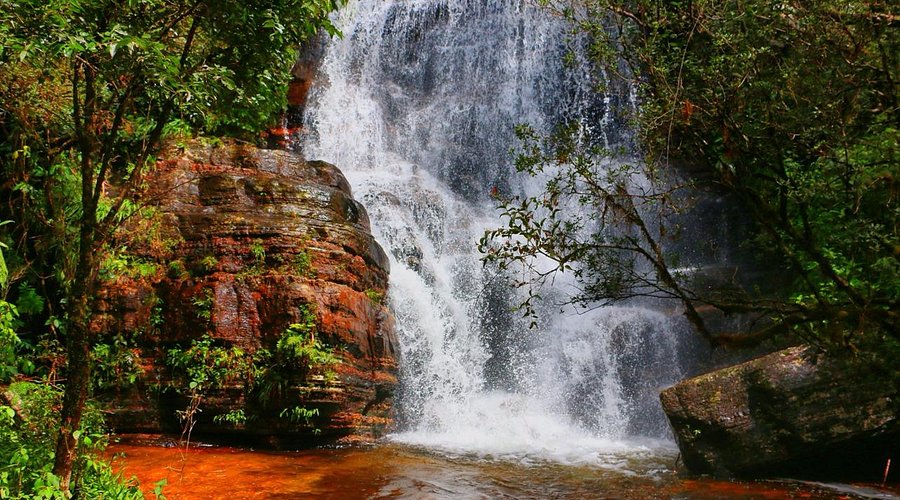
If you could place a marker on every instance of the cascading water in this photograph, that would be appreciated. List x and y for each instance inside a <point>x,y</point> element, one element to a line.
<point>417,105</point>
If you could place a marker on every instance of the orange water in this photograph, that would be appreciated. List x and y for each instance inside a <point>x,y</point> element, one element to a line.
<point>392,471</point>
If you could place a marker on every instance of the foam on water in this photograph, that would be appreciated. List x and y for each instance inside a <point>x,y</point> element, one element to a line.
<point>417,104</point>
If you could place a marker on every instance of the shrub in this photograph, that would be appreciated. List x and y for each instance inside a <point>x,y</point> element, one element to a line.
<point>27,441</point>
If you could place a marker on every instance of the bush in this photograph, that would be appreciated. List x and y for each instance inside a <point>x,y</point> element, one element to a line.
<point>27,440</point>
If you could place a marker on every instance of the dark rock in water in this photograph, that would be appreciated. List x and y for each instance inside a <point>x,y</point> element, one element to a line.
<point>245,242</point>
<point>795,412</point>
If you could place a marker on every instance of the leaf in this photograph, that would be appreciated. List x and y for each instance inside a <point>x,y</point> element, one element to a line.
<point>112,49</point>
<point>4,272</point>
<point>24,54</point>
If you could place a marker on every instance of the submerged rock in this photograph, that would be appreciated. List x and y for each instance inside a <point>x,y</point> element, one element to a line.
<point>243,243</point>
<point>795,412</point>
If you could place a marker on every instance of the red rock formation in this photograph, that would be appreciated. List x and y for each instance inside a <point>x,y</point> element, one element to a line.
<point>303,75</point>
<point>245,240</point>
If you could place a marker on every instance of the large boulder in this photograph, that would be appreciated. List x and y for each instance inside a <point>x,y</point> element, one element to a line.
<point>796,412</point>
<point>242,243</point>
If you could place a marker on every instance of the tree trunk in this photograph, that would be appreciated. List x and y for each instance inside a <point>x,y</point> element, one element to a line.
<point>78,373</point>
<point>78,347</point>
<point>77,388</point>
<point>78,342</point>
<point>81,290</point>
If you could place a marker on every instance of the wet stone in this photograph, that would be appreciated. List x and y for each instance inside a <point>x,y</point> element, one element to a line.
<point>253,239</point>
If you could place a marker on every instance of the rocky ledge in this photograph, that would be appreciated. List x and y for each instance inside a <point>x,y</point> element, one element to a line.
<point>796,412</point>
<point>239,244</point>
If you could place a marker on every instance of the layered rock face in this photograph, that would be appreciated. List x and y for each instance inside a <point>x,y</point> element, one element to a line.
<point>244,243</point>
<point>795,412</point>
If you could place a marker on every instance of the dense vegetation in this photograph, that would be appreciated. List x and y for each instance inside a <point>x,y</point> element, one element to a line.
<point>89,90</point>
<point>787,109</point>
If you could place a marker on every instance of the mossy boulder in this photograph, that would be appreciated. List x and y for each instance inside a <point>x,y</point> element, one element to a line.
<point>796,412</point>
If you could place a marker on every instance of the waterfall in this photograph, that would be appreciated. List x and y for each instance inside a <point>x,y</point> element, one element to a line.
<point>417,104</point>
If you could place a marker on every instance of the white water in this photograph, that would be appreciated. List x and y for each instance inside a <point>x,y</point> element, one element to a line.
<point>416,105</point>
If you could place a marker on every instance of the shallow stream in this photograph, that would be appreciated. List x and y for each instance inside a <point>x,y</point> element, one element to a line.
<point>399,471</point>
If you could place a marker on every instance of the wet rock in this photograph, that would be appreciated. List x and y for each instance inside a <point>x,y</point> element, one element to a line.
<point>796,412</point>
<point>303,74</point>
<point>243,243</point>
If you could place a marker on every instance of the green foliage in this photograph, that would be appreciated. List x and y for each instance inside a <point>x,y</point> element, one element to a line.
<point>150,230</point>
<point>297,346</point>
<point>203,304</point>
<point>789,109</point>
<point>117,364</point>
<point>12,349</point>
<point>233,417</point>
<point>258,251</point>
<point>209,263</point>
<point>47,354</point>
<point>302,263</point>
<point>200,368</point>
<point>375,296</point>
<point>120,264</point>
<point>9,342</point>
<point>29,302</point>
<point>27,440</point>
<point>206,140</point>
<point>301,415</point>
<point>4,271</point>
<point>264,374</point>
<point>157,311</point>
<point>177,270</point>
<point>224,65</point>
<point>158,488</point>
<point>257,266</point>
<point>298,354</point>
<point>205,366</point>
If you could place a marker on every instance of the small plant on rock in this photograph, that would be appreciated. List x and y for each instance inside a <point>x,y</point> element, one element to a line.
<point>233,417</point>
<point>375,296</point>
<point>258,251</point>
<point>209,263</point>
<point>203,304</point>
<point>301,415</point>
<point>200,368</point>
<point>302,264</point>
<point>297,355</point>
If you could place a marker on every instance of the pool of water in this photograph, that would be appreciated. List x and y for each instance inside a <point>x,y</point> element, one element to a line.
<point>400,471</point>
